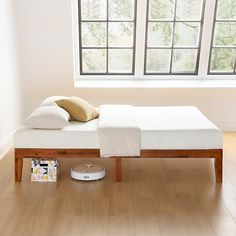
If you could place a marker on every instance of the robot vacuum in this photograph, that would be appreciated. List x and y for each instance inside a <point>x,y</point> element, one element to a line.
<point>88,172</point>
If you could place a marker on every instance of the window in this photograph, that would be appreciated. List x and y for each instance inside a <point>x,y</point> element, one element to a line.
<point>107,36</point>
<point>155,39</point>
<point>173,36</point>
<point>223,51</point>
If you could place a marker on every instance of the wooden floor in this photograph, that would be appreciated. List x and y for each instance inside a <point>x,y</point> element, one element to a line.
<point>157,197</point>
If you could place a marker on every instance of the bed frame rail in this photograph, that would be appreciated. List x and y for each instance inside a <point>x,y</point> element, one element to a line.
<point>21,153</point>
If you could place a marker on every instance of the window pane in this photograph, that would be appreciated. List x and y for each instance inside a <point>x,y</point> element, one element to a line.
<point>121,34</point>
<point>121,9</point>
<point>88,12</point>
<point>186,34</point>
<point>226,9</point>
<point>120,60</point>
<point>107,36</point>
<point>161,9</point>
<point>158,60</point>
<point>93,34</point>
<point>184,60</point>
<point>94,60</point>
<point>225,34</point>
<point>189,9</point>
<point>159,34</point>
<point>223,60</point>
<point>173,35</point>
<point>222,55</point>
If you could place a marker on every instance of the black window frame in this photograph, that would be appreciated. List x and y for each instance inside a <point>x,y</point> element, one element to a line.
<point>107,21</point>
<point>172,47</point>
<point>215,20</point>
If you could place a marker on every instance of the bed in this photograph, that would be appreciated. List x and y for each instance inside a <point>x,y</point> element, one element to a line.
<point>166,132</point>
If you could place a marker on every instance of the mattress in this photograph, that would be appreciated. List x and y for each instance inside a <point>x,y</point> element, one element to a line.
<point>161,128</point>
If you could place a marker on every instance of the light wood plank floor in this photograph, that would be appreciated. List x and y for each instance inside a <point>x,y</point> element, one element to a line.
<point>157,197</point>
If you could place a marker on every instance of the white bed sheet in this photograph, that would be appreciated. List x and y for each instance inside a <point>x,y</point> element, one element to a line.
<point>161,128</point>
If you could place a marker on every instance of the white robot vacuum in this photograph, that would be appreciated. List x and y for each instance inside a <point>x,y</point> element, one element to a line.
<point>88,172</point>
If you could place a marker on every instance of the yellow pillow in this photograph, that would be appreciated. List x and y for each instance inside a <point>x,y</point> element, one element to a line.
<point>78,108</point>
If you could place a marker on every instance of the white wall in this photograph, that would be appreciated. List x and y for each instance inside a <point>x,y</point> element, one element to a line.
<point>10,101</point>
<point>45,28</point>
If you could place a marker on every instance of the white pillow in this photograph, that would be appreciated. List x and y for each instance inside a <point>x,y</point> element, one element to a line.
<point>50,101</point>
<point>48,117</point>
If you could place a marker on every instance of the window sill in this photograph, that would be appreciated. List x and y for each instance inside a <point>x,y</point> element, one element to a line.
<point>157,83</point>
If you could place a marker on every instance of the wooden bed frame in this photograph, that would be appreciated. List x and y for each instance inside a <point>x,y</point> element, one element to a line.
<point>21,153</point>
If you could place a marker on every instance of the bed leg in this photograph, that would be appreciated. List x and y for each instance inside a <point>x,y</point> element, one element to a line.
<point>118,169</point>
<point>219,168</point>
<point>18,169</point>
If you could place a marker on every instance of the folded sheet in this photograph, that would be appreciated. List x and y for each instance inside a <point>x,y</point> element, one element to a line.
<point>118,131</point>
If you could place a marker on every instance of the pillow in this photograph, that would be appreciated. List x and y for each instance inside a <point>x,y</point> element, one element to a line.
<point>79,109</point>
<point>48,117</point>
<point>50,101</point>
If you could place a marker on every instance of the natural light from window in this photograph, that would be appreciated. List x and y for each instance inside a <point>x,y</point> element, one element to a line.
<point>151,39</point>
<point>223,55</point>
<point>173,36</point>
<point>107,36</point>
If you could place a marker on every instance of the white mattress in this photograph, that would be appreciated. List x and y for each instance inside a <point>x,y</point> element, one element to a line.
<point>161,128</point>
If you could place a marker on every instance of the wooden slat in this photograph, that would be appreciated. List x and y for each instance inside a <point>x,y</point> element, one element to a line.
<point>86,153</point>
<point>56,153</point>
<point>193,153</point>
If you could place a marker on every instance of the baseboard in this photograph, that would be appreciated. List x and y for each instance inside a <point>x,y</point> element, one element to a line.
<point>226,126</point>
<point>5,147</point>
